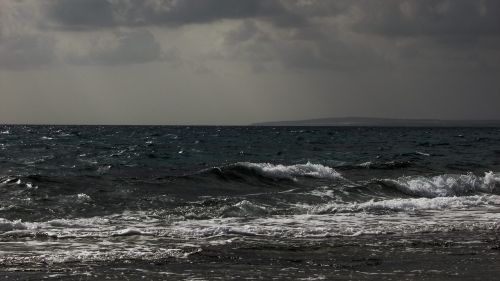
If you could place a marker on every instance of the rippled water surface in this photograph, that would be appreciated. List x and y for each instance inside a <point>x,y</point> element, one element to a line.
<point>213,202</point>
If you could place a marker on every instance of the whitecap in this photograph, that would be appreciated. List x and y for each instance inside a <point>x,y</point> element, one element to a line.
<point>244,209</point>
<point>445,185</point>
<point>366,164</point>
<point>130,232</point>
<point>422,153</point>
<point>291,172</point>
<point>82,197</point>
<point>8,225</point>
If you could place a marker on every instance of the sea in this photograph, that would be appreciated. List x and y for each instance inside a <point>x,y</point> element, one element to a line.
<point>249,203</point>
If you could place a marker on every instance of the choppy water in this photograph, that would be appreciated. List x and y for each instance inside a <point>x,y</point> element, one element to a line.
<point>87,195</point>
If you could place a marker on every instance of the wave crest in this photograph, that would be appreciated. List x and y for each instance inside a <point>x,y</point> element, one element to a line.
<point>445,185</point>
<point>292,171</point>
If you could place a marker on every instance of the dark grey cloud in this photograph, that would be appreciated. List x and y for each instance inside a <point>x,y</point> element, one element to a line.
<point>444,30</point>
<point>81,14</point>
<point>306,48</point>
<point>443,18</point>
<point>434,18</point>
<point>298,34</point>
<point>449,35</point>
<point>91,14</point>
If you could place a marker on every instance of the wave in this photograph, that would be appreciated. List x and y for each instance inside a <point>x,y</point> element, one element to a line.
<point>8,225</point>
<point>248,172</point>
<point>247,218</point>
<point>445,185</point>
<point>181,239</point>
<point>236,170</point>
<point>290,172</point>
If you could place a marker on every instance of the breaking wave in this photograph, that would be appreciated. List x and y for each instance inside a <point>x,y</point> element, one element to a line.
<point>445,185</point>
<point>243,171</point>
<point>409,204</point>
<point>291,172</point>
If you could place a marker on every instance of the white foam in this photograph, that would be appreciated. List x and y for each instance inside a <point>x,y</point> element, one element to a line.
<point>445,185</point>
<point>491,180</point>
<point>292,171</point>
<point>340,224</point>
<point>8,225</point>
<point>93,222</point>
<point>78,252</point>
<point>107,236</point>
<point>245,209</point>
<point>409,204</point>
<point>82,197</point>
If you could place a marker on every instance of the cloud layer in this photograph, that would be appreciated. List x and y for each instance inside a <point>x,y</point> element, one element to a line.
<point>391,57</point>
<point>299,33</point>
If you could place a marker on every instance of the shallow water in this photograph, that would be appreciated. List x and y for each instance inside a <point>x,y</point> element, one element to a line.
<point>206,202</point>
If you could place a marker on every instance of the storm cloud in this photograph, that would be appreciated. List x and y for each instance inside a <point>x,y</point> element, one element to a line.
<point>279,58</point>
<point>87,14</point>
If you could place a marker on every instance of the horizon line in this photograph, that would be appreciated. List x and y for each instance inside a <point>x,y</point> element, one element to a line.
<point>263,123</point>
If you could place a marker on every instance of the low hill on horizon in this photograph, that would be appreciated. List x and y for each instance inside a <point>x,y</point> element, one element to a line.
<point>383,122</point>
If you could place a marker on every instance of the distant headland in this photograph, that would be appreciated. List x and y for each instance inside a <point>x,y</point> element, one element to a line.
<point>383,122</point>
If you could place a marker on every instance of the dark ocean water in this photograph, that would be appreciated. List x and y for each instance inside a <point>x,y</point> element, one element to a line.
<point>155,202</point>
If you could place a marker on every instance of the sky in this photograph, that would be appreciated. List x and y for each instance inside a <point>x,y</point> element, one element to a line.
<point>234,62</point>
